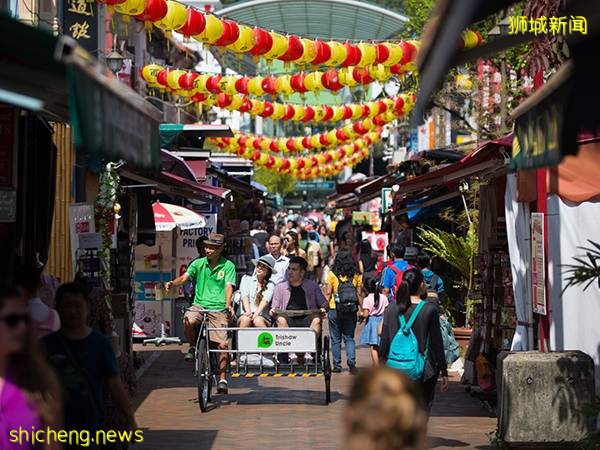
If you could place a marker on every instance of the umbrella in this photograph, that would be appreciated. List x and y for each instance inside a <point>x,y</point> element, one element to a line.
<point>167,217</point>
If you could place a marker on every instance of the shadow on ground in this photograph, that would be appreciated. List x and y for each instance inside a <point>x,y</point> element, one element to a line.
<point>163,439</point>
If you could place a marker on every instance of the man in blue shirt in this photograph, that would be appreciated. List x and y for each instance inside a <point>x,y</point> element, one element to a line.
<point>393,274</point>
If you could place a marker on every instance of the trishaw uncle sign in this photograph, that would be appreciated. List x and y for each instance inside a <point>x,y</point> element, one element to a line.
<point>286,340</point>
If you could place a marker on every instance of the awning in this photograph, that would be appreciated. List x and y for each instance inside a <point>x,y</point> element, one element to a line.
<point>57,78</point>
<point>213,191</point>
<point>190,136</point>
<point>170,162</point>
<point>440,185</point>
<point>233,183</point>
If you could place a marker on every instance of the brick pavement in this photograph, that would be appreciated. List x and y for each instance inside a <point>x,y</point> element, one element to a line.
<point>276,413</point>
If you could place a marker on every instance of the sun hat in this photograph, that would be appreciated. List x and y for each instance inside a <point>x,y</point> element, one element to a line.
<point>215,239</point>
<point>266,260</point>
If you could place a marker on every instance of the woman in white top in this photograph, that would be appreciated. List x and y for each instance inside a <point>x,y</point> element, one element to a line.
<point>256,292</point>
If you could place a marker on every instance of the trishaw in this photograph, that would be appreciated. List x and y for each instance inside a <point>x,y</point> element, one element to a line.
<point>261,352</point>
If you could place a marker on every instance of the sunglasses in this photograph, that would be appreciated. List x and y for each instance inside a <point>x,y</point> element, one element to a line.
<point>12,320</point>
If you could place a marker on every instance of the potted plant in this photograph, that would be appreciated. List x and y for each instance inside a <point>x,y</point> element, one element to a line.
<point>459,252</point>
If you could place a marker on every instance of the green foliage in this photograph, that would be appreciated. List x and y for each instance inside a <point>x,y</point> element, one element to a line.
<point>586,271</point>
<point>458,251</point>
<point>418,13</point>
<point>275,182</point>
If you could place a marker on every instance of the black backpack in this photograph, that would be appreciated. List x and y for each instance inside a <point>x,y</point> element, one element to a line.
<point>346,298</point>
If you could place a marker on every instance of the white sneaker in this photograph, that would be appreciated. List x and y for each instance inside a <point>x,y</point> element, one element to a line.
<point>308,358</point>
<point>293,358</point>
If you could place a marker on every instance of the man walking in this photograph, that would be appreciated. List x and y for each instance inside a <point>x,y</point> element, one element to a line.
<point>215,280</point>
<point>281,261</point>
<point>393,274</point>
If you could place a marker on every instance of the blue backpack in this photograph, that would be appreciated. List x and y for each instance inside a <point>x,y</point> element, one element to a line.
<point>404,350</point>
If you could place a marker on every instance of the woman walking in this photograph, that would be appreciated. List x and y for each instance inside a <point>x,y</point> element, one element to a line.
<point>292,247</point>
<point>343,289</point>
<point>426,328</point>
<point>29,391</point>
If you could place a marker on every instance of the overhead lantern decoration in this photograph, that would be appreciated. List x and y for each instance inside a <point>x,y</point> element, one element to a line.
<point>394,56</point>
<point>130,8</point>
<point>279,47</point>
<point>111,3</point>
<point>338,54</point>
<point>213,30</point>
<point>245,41</point>
<point>313,81</point>
<point>173,79</point>
<point>294,49</point>
<point>353,55</point>
<point>263,41</point>
<point>255,86</point>
<point>186,81</point>
<point>175,18</point>
<point>283,85</point>
<point>309,52</point>
<point>323,52</point>
<point>149,74</point>
<point>230,34</point>
<point>194,24</point>
<point>154,11</point>
<point>368,54</point>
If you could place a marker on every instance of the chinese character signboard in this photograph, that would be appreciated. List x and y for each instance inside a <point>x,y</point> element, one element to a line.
<point>538,264</point>
<point>80,21</point>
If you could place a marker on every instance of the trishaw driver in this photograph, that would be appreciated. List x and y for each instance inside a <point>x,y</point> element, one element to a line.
<point>298,294</point>
<point>215,279</point>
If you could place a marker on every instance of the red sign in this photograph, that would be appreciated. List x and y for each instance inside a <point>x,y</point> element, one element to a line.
<point>8,121</point>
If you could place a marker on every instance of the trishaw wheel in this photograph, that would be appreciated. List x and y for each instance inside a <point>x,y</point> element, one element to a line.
<point>203,375</point>
<point>327,369</point>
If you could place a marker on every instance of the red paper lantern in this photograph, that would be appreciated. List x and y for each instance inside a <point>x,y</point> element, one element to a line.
<point>194,24</point>
<point>306,142</point>
<point>224,100</point>
<point>154,11</point>
<point>199,97</point>
<point>399,104</point>
<point>241,85</point>
<point>354,55</point>
<point>273,146</point>
<point>328,157</point>
<point>347,113</point>
<point>359,128</point>
<point>328,113</point>
<point>307,172</point>
<point>289,112</point>
<point>330,80</point>
<point>382,52</point>
<point>294,51</point>
<point>285,164</point>
<point>268,85</point>
<point>255,156</point>
<point>297,82</point>
<point>366,111</point>
<point>256,143</point>
<point>242,141</point>
<point>341,135</point>
<point>246,105</point>
<point>409,52</point>
<point>240,151</point>
<point>341,153</point>
<point>314,161</point>
<point>161,77</point>
<point>212,84</point>
<point>323,52</point>
<point>382,106</point>
<point>186,81</point>
<point>378,121</point>
<point>289,144</point>
<point>301,163</point>
<point>231,32</point>
<point>263,41</point>
<point>268,110</point>
<point>396,69</point>
<point>309,114</point>
<point>361,75</point>
<point>323,139</point>
<point>270,161</point>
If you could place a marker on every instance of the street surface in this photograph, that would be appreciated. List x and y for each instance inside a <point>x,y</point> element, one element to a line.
<point>276,413</point>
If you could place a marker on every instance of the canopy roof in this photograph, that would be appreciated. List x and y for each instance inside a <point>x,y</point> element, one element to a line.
<point>323,19</point>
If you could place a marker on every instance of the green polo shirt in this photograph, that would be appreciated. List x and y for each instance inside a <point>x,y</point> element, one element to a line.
<point>211,282</point>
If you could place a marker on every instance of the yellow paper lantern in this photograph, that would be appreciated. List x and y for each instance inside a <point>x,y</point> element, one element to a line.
<point>298,113</point>
<point>200,83</point>
<point>176,17</point>
<point>236,102</point>
<point>265,143</point>
<point>346,77</point>
<point>278,162</point>
<point>149,73</point>
<point>131,8</point>
<point>307,163</point>
<point>313,82</point>
<point>373,109</point>
<point>368,124</point>
<point>264,158</point>
<point>280,46</point>
<point>338,54</point>
<point>283,86</point>
<point>338,113</point>
<point>278,111</point>
<point>332,138</point>
<point>213,30</point>
<point>349,131</point>
<point>257,108</point>
<point>314,141</point>
<point>281,145</point>
<point>255,86</point>
<point>293,165</point>
<point>368,54</point>
<point>248,143</point>
<point>379,72</point>
<point>173,79</point>
<point>244,42</point>
<point>395,54</point>
<point>319,113</point>
<point>227,85</point>
<point>308,54</point>
<point>356,111</point>
<point>321,158</point>
<point>298,145</point>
